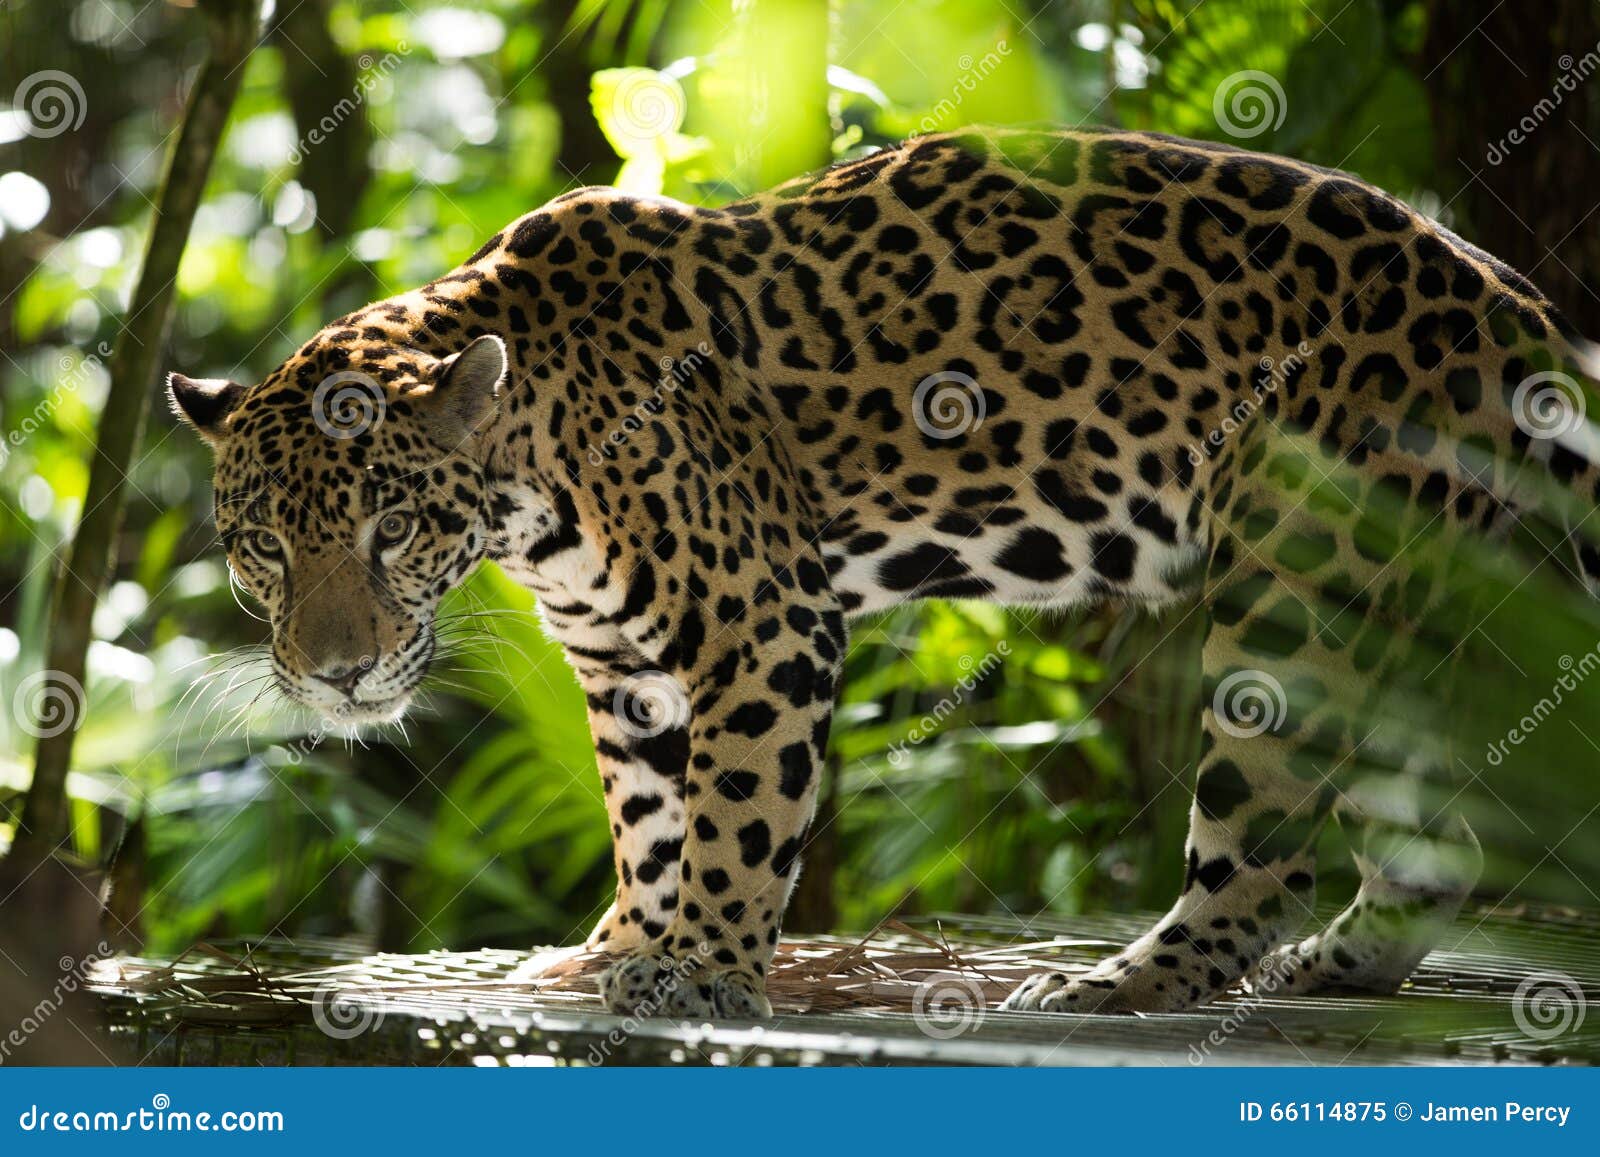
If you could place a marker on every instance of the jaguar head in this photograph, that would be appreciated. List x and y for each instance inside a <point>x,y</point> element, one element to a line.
<point>350,496</point>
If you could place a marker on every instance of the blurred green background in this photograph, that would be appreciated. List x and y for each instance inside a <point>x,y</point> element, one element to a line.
<point>375,145</point>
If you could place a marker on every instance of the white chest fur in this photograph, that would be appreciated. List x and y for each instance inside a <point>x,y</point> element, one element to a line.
<point>563,566</point>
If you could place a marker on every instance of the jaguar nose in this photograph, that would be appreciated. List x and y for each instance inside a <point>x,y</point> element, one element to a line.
<point>343,677</point>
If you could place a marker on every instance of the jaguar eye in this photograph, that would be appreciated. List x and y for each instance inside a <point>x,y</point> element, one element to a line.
<point>263,543</point>
<point>394,527</point>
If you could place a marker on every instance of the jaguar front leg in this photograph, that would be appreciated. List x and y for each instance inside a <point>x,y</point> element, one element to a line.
<point>762,699</point>
<point>638,719</point>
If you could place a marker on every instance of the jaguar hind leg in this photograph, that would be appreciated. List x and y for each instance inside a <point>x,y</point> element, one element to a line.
<point>1413,883</point>
<point>1417,855</point>
<point>1319,581</point>
<point>1258,808</point>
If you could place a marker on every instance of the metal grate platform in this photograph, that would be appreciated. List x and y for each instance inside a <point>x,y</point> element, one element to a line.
<point>1508,985</point>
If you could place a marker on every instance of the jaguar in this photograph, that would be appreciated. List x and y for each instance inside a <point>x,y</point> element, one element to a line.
<point>1054,369</point>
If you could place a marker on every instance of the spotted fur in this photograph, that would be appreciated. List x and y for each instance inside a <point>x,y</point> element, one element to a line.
<point>697,435</point>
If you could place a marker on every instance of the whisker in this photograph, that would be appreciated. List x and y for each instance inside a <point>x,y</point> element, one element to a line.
<point>237,587</point>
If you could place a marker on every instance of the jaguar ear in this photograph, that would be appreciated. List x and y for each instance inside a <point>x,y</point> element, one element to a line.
<point>204,403</point>
<point>465,392</point>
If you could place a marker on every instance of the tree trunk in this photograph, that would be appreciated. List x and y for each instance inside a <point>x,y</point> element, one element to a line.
<point>1154,707</point>
<point>141,342</point>
<point>320,83</point>
<point>1523,71</point>
<point>585,156</point>
<point>317,77</point>
<point>812,907</point>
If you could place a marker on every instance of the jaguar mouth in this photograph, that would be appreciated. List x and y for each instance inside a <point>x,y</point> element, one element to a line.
<point>355,712</point>
<point>397,679</point>
<point>343,713</point>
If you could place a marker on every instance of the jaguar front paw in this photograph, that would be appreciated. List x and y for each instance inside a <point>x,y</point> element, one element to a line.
<point>616,933</point>
<point>1129,988</point>
<point>1058,992</point>
<point>660,984</point>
